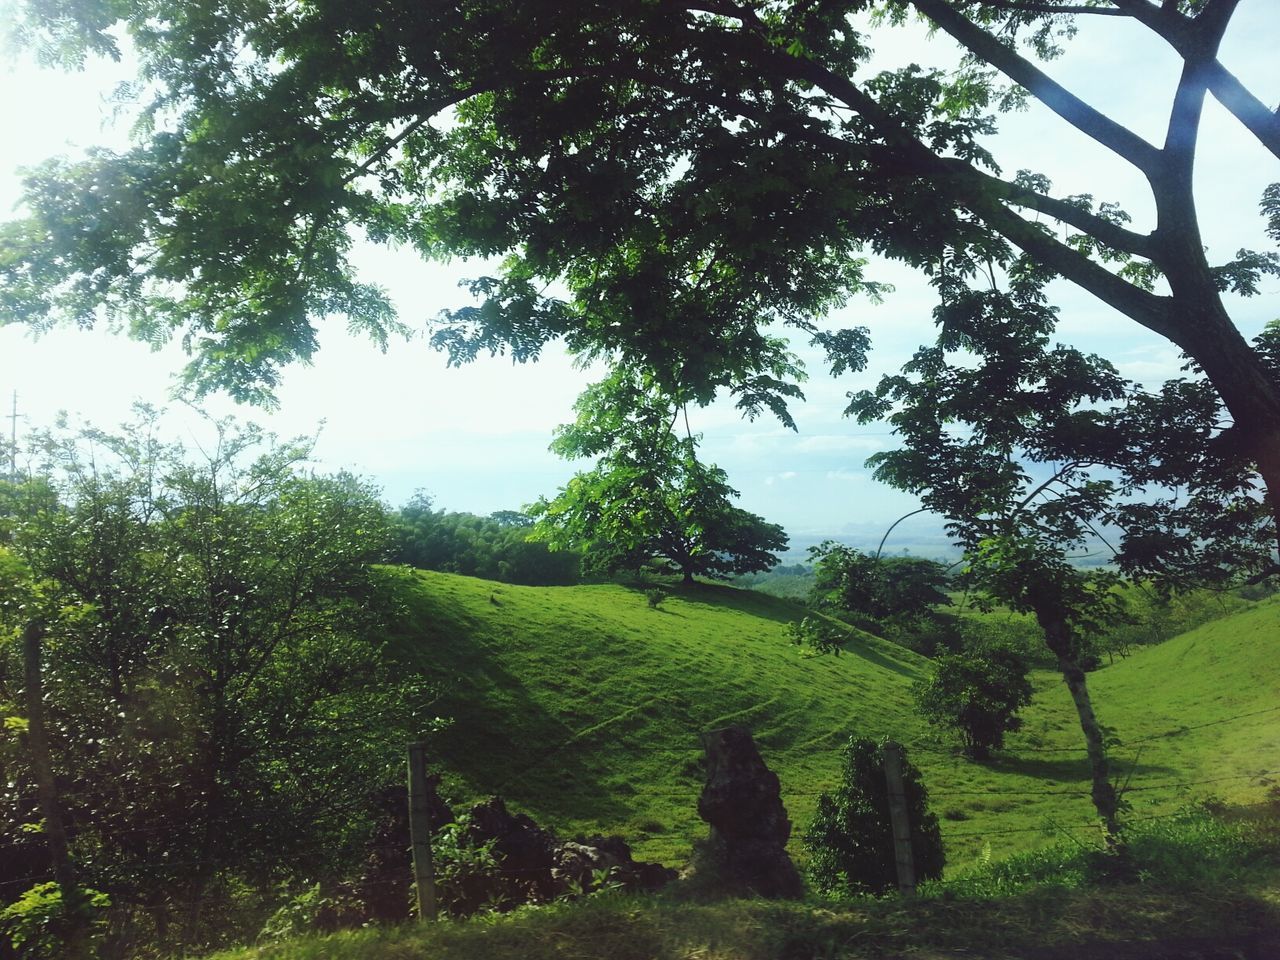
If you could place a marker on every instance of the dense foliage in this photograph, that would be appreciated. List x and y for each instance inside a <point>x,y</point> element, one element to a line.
<point>850,840</point>
<point>219,701</point>
<point>496,547</point>
<point>895,597</point>
<point>848,579</point>
<point>977,693</point>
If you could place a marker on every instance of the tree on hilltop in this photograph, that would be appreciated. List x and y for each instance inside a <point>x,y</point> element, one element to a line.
<point>648,498</point>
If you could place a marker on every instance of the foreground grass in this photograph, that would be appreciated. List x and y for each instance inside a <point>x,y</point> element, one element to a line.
<point>1096,923</point>
<point>1115,922</point>
<point>582,707</point>
<point>1197,885</point>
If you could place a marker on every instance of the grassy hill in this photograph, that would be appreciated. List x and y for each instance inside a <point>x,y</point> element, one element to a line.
<point>582,707</point>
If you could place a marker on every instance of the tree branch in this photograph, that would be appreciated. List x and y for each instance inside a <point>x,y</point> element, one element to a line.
<point>1119,139</point>
<point>1244,106</point>
<point>1164,20</point>
<point>1152,311</point>
<point>1014,6</point>
<point>425,113</point>
<point>1185,35</point>
<point>1111,234</point>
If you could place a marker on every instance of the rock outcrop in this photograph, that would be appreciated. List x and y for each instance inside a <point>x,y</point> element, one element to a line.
<point>742,801</point>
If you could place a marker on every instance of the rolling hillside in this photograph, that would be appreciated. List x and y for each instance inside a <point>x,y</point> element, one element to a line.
<point>582,707</point>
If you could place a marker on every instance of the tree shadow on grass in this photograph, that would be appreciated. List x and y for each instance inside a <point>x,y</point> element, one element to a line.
<point>1065,769</point>
<point>779,610</point>
<point>725,597</point>
<point>500,739</point>
<point>865,651</point>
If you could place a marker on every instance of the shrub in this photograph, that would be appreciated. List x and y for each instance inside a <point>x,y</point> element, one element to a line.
<point>38,924</point>
<point>850,840</point>
<point>823,635</point>
<point>655,596</point>
<point>977,694</point>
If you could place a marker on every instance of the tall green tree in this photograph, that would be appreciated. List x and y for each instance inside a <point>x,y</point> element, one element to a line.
<point>649,498</point>
<point>685,171</point>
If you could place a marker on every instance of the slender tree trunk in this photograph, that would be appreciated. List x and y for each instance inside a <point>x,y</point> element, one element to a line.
<point>50,807</point>
<point>1057,635</point>
<point>207,863</point>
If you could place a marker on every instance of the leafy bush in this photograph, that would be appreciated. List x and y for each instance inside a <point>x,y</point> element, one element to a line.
<point>38,924</point>
<point>897,598</point>
<point>655,596</point>
<point>466,871</point>
<point>819,633</point>
<point>850,840</point>
<point>848,579</point>
<point>297,916</point>
<point>977,693</point>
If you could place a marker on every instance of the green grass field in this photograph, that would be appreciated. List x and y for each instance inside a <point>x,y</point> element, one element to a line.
<point>582,707</point>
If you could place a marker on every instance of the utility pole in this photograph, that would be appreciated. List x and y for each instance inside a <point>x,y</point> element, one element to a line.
<point>13,440</point>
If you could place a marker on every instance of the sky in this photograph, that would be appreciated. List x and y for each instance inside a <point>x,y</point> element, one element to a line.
<point>475,438</point>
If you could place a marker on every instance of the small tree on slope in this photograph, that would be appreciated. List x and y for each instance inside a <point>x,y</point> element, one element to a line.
<point>978,694</point>
<point>1030,450</point>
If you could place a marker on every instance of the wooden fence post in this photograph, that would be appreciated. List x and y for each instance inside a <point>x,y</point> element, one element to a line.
<point>424,875</point>
<point>899,819</point>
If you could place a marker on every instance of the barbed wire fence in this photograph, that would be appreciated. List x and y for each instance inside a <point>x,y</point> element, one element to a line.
<point>1269,778</point>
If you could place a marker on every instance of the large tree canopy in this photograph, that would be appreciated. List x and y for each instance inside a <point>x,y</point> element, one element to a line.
<point>685,171</point>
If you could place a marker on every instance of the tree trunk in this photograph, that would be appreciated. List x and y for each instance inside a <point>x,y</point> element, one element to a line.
<point>1057,635</point>
<point>50,808</point>
<point>1200,323</point>
<point>1250,394</point>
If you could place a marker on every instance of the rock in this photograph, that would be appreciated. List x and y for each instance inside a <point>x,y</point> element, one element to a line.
<point>534,866</point>
<point>586,863</point>
<point>742,802</point>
